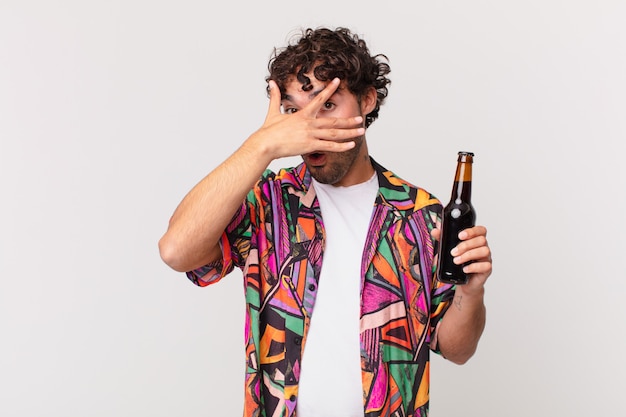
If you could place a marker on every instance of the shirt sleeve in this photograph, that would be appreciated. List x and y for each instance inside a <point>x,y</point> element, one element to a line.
<point>441,298</point>
<point>235,241</point>
<point>441,294</point>
<point>235,245</point>
<point>214,271</point>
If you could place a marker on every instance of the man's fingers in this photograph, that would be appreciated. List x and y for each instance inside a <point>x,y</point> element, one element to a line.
<point>480,254</point>
<point>330,146</point>
<point>473,246</point>
<point>473,232</point>
<point>311,109</point>
<point>339,134</point>
<point>274,106</point>
<point>337,130</point>
<point>329,123</point>
<point>316,104</point>
<point>478,268</point>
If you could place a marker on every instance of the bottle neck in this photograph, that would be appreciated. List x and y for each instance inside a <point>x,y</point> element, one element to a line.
<point>462,189</point>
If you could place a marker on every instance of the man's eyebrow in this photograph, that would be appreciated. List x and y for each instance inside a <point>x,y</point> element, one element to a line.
<point>287,97</point>
<point>315,93</point>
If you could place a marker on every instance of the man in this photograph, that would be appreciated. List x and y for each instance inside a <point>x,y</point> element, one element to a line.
<point>338,254</point>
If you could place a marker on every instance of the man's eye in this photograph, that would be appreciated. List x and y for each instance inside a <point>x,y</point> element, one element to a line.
<point>328,105</point>
<point>290,110</point>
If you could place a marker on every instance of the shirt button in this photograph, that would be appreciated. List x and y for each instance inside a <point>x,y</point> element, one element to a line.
<point>297,341</point>
<point>292,398</point>
<point>311,287</point>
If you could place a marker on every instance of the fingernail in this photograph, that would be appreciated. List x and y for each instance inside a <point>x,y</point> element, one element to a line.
<point>463,234</point>
<point>454,251</point>
<point>358,119</point>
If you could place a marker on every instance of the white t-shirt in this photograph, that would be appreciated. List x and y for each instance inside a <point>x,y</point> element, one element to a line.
<point>330,377</point>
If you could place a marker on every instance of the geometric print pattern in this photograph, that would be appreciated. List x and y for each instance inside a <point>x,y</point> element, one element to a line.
<point>277,239</point>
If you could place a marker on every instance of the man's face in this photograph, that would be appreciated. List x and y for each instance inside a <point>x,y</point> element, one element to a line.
<point>326,167</point>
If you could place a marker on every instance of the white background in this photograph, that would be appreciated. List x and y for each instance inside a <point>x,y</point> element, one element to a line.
<point>110,111</point>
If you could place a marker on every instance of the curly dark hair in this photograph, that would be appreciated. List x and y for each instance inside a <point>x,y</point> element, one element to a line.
<point>332,53</point>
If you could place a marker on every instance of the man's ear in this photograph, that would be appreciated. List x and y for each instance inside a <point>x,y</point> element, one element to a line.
<point>368,101</point>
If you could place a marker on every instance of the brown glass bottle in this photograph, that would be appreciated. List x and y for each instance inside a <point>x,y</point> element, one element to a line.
<point>458,215</point>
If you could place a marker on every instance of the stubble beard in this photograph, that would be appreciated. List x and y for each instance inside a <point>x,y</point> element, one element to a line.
<point>338,164</point>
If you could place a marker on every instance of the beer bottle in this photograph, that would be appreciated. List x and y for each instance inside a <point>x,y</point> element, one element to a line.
<point>457,216</point>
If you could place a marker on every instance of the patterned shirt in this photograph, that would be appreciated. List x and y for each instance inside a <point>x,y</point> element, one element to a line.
<point>277,239</point>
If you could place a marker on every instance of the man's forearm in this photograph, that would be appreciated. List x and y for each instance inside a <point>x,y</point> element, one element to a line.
<point>462,326</point>
<point>200,219</point>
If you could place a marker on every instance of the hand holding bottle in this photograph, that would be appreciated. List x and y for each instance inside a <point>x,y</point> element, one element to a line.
<point>472,254</point>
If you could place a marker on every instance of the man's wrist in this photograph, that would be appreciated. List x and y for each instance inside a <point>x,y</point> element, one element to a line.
<point>470,292</point>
